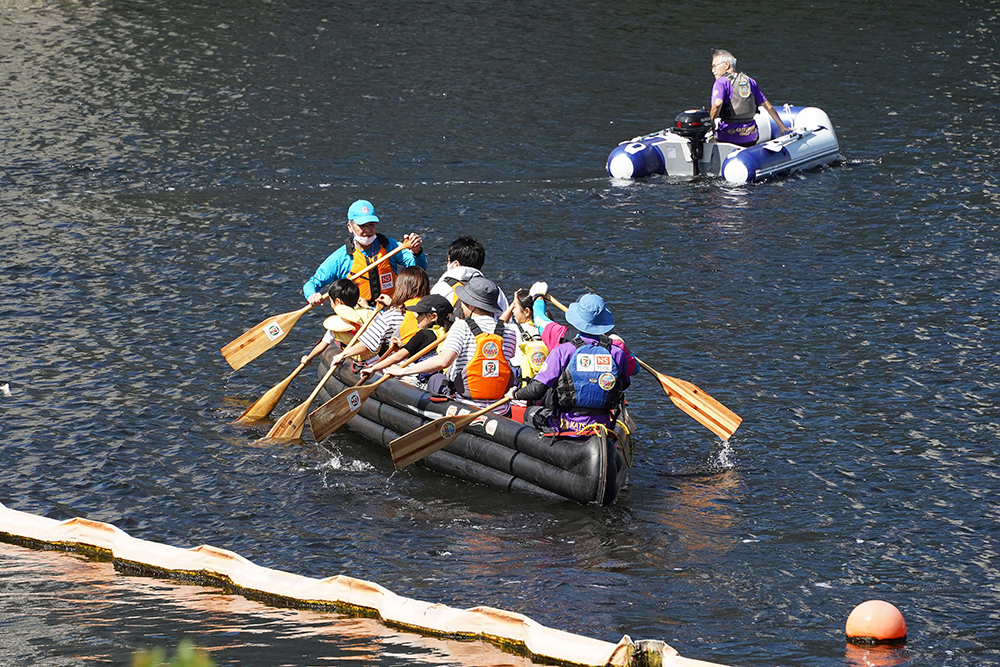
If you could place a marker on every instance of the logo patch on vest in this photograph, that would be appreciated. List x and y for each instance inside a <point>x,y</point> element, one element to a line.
<point>602,363</point>
<point>606,381</point>
<point>491,350</point>
<point>537,359</point>
<point>385,280</point>
<point>491,368</point>
<point>598,363</point>
<point>273,330</point>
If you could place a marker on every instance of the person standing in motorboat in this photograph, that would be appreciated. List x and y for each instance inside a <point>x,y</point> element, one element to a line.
<point>735,98</point>
<point>364,247</point>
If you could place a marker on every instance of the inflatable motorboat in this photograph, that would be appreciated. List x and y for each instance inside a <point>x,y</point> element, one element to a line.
<point>689,149</point>
<point>498,452</point>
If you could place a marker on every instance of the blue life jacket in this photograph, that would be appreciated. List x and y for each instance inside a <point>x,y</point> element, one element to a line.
<point>591,380</point>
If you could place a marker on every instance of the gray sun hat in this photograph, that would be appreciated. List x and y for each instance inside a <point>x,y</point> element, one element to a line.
<point>479,293</point>
<point>589,315</point>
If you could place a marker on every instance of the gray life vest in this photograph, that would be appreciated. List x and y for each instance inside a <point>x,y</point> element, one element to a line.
<point>741,106</point>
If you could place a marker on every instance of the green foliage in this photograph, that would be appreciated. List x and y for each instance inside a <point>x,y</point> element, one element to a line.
<point>186,656</point>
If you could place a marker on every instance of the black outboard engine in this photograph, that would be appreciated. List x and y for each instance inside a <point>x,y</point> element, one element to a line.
<point>693,124</point>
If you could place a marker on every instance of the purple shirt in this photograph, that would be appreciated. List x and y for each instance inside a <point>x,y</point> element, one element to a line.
<point>557,362</point>
<point>743,133</point>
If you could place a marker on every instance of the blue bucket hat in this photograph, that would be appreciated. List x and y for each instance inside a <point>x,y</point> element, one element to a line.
<point>361,212</point>
<point>589,315</point>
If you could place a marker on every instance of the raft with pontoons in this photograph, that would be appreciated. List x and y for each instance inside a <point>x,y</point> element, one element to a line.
<point>687,148</point>
<point>499,452</point>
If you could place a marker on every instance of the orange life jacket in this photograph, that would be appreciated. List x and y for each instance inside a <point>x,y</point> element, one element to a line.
<point>453,283</point>
<point>487,376</point>
<point>409,325</point>
<point>381,279</point>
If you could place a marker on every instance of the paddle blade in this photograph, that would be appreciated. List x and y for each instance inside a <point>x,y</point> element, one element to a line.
<point>261,338</point>
<point>262,408</point>
<point>702,407</point>
<point>289,427</point>
<point>723,413</point>
<point>336,412</point>
<point>427,439</point>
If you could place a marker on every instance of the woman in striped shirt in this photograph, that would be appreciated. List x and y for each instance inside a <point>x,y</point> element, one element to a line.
<point>412,284</point>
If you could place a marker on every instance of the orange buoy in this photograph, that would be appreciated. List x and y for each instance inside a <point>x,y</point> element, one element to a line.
<point>876,622</point>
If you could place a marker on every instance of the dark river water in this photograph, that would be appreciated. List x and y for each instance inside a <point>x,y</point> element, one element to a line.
<point>172,172</point>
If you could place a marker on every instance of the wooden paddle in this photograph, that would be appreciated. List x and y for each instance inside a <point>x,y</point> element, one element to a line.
<point>273,330</point>
<point>432,436</point>
<point>336,412</point>
<point>262,408</point>
<point>707,411</point>
<point>291,423</point>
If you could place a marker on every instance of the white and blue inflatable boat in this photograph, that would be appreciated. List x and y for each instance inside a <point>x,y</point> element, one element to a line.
<point>689,149</point>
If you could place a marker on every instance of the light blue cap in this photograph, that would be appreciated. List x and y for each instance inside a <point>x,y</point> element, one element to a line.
<point>361,212</point>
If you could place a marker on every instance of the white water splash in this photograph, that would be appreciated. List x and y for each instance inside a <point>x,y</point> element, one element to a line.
<point>724,459</point>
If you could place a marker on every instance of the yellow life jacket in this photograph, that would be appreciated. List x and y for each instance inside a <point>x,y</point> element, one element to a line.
<point>409,325</point>
<point>344,337</point>
<point>381,279</point>
<point>487,376</point>
<point>533,352</point>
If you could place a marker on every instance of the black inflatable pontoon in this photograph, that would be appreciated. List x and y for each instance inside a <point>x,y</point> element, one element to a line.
<point>498,452</point>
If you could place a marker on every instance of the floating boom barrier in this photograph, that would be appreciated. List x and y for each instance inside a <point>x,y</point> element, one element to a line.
<point>211,566</point>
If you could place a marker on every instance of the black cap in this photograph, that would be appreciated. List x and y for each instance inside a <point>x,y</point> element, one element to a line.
<point>432,303</point>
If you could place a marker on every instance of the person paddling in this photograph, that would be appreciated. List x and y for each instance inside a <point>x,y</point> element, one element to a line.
<point>477,351</point>
<point>531,351</point>
<point>465,260</point>
<point>365,246</point>
<point>433,315</point>
<point>346,320</point>
<point>584,379</point>
<point>413,286</point>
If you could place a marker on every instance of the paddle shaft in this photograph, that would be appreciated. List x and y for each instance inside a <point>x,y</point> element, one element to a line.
<point>707,411</point>
<point>336,412</point>
<point>291,423</point>
<point>261,338</point>
<point>262,408</point>
<point>434,435</point>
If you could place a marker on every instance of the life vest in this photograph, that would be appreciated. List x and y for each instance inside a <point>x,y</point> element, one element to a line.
<point>741,106</point>
<point>381,279</point>
<point>487,375</point>
<point>409,325</point>
<point>345,337</point>
<point>453,283</point>
<point>533,352</point>
<point>591,381</point>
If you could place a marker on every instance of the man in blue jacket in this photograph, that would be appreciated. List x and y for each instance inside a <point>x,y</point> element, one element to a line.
<point>364,247</point>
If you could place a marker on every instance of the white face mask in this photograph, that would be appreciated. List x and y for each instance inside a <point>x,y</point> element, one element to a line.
<point>364,240</point>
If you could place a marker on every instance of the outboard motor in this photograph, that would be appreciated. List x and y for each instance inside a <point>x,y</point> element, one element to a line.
<point>693,124</point>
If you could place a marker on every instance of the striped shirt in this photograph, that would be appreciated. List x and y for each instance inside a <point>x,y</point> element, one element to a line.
<point>381,331</point>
